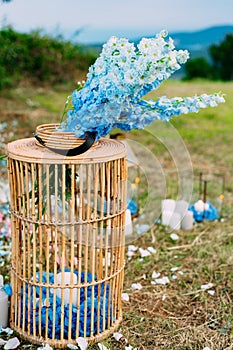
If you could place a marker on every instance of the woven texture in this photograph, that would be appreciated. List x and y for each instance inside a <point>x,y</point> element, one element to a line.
<point>68,221</point>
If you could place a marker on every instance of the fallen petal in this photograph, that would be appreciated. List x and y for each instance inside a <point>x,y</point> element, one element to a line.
<point>125,297</point>
<point>144,252</point>
<point>72,346</point>
<point>132,248</point>
<point>117,336</point>
<point>137,286</point>
<point>152,250</point>
<point>173,269</point>
<point>206,286</point>
<point>155,274</point>
<point>211,292</point>
<point>174,236</point>
<point>7,330</point>
<point>82,343</point>
<point>12,343</point>
<point>2,341</point>
<point>162,280</point>
<point>102,347</point>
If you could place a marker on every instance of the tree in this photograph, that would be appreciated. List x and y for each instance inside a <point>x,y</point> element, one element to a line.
<point>198,68</point>
<point>222,57</point>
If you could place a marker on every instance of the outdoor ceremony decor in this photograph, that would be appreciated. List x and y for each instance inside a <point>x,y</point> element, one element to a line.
<point>68,195</point>
<point>122,75</point>
<point>68,229</point>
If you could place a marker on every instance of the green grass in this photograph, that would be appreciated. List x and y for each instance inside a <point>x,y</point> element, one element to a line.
<point>179,315</point>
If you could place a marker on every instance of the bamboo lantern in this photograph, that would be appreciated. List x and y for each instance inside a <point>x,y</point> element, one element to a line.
<point>68,225</point>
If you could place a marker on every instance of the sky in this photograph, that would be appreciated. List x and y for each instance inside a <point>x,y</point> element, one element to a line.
<point>97,20</point>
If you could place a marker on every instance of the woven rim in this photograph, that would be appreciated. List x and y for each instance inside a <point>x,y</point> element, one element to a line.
<point>58,139</point>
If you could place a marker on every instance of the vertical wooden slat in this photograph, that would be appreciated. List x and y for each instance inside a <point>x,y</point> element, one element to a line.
<point>55,246</point>
<point>47,237</point>
<point>80,199</point>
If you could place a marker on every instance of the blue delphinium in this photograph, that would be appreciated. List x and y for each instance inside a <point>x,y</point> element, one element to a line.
<point>112,94</point>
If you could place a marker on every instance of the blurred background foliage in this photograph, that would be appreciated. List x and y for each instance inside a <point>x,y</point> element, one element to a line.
<point>40,58</point>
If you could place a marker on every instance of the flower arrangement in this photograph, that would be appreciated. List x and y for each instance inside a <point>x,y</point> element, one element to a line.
<point>112,95</point>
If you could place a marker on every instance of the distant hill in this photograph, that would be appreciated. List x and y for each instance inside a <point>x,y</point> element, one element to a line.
<point>196,42</point>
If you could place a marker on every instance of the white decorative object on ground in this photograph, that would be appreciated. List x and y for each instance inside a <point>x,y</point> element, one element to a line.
<point>3,305</point>
<point>168,205</point>
<point>181,207</point>
<point>187,220</point>
<point>128,223</point>
<point>166,217</point>
<point>175,221</point>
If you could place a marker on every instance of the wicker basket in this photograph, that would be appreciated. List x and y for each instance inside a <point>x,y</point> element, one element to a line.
<point>68,225</point>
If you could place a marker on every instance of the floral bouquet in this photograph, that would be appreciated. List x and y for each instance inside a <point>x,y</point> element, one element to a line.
<point>112,95</point>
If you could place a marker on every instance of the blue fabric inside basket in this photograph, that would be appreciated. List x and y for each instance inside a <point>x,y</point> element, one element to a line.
<point>85,307</point>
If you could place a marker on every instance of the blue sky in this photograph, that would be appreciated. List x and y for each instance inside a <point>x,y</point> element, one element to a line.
<point>100,19</point>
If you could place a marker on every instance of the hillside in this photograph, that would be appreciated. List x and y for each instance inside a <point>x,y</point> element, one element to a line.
<point>196,42</point>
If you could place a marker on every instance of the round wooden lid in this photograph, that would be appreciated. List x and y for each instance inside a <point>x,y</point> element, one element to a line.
<point>29,151</point>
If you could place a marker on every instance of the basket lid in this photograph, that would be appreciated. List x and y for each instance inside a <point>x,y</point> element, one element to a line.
<point>27,150</point>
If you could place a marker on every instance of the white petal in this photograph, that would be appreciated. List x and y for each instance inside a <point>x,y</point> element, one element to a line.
<point>102,347</point>
<point>72,346</point>
<point>155,274</point>
<point>82,343</point>
<point>144,252</point>
<point>117,336</point>
<point>137,286</point>
<point>206,286</point>
<point>125,297</point>
<point>173,269</point>
<point>174,236</point>
<point>2,341</point>
<point>132,248</point>
<point>152,250</point>
<point>8,330</point>
<point>211,292</point>
<point>162,280</point>
<point>174,277</point>
<point>12,343</point>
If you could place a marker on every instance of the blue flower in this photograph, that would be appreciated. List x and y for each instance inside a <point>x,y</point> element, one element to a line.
<point>121,76</point>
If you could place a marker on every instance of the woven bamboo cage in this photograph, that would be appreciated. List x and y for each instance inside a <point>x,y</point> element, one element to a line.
<point>68,223</point>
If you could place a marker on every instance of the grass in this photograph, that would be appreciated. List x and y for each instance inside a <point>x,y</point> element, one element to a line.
<point>179,315</point>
